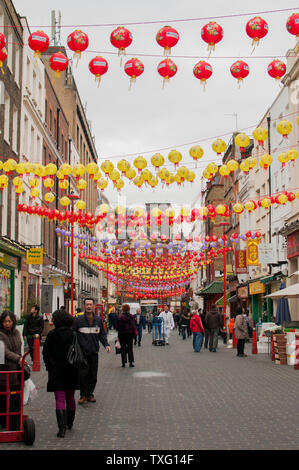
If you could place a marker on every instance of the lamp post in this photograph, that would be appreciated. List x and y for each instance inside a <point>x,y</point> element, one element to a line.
<point>224,224</point>
<point>73,198</point>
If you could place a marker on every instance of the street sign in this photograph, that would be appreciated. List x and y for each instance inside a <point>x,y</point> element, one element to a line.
<point>34,256</point>
<point>240,261</point>
<point>252,255</point>
<point>266,253</point>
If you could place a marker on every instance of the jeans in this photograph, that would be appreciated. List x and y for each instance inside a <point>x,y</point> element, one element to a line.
<point>197,341</point>
<point>183,331</point>
<point>213,338</point>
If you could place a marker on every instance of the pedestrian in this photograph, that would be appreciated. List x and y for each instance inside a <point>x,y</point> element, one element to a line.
<point>185,320</point>
<point>63,379</point>
<point>127,331</point>
<point>167,318</point>
<point>231,325</point>
<point>34,325</point>
<point>241,332</point>
<point>90,330</point>
<point>197,329</point>
<point>140,324</point>
<point>203,315</point>
<point>176,318</point>
<point>11,338</point>
<point>149,320</point>
<point>214,321</point>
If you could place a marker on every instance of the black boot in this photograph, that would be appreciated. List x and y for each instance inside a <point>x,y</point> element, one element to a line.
<point>61,421</point>
<point>70,417</point>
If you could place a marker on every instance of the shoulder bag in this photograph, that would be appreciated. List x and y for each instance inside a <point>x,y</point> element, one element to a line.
<point>75,355</point>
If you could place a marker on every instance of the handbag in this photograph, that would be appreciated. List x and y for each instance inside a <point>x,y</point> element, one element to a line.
<point>117,347</point>
<point>75,355</point>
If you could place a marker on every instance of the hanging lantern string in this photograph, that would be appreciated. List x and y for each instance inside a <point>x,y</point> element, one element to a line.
<point>181,20</point>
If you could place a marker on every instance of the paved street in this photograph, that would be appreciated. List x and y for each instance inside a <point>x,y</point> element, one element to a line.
<point>177,399</point>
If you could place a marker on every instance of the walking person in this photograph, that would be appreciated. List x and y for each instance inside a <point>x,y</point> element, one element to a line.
<point>203,314</point>
<point>140,325</point>
<point>90,330</point>
<point>63,379</point>
<point>126,327</point>
<point>185,320</point>
<point>197,329</point>
<point>168,321</point>
<point>11,338</point>
<point>214,321</point>
<point>34,325</point>
<point>241,332</point>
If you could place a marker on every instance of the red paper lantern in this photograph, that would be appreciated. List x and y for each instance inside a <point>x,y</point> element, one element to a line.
<point>3,57</point>
<point>212,33</point>
<point>239,70</point>
<point>2,41</point>
<point>77,42</point>
<point>202,70</point>
<point>167,37</point>
<point>276,69</point>
<point>292,24</point>
<point>58,63</point>
<point>134,68</point>
<point>121,38</point>
<point>98,67</point>
<point>256,28</point>
<point>167,69</point>
<point>38,42</point>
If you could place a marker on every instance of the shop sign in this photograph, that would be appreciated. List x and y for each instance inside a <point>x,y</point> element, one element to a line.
<point>46,298</point>
<point>240,262</point>
<point>256,288</point>
<point>8,260</point>
<point>34,256</point>
<point>293,244</point>
<point>243,292</point>
<point>252,254</point>
<point>266,253</point>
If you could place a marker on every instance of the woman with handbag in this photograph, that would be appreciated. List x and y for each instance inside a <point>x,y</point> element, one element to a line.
<point>62,376</point>
<point>127,331</point>
<point>11,338</point>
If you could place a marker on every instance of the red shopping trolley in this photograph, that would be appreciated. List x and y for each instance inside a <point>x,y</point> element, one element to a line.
<point>26,428</point>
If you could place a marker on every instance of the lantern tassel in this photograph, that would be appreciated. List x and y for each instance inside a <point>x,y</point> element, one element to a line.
<point>98,80</point>
<point>77,57</point>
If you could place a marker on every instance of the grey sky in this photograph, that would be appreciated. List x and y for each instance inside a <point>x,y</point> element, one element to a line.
<point>148,117</point>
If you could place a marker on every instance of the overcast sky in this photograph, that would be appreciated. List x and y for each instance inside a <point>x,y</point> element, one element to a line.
<point>148,118</point>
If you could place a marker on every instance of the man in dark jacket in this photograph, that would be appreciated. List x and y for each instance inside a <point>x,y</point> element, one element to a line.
<point>34,325</point>
<point>214,321</point>
<point>90,330</point>
<point>140,324</point>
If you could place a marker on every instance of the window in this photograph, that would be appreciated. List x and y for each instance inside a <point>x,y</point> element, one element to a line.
<point>6,117</point>
<point>15,130</point>
<point>32,143</point>
<point>25,137</point>
<point>46,111</point>
<point>9,50</point>
<point>51,117</point>
<point>17,66</point>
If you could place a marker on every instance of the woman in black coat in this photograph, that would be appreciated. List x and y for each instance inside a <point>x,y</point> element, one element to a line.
<point>127,331</point>
<point>62,377</point>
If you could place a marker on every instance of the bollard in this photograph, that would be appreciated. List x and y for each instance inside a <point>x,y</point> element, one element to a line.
<point>36,354</point>
<point>296,365</point>
<point>273,349</point>
<point>235,341</point>
<point>254,342</point>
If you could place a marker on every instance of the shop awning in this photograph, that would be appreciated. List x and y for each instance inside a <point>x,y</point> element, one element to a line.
<point>11,247</point>
<point>220,302</point>
<point>288,292</point>
<point>215,287</point>
<point>273,277</point>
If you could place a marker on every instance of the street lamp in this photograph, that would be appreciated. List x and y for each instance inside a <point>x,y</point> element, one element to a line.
<point>224,224</point>
<point>73,198</point>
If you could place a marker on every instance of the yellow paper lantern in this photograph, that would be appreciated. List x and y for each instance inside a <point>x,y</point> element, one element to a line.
<point>48,183</point>
<point>242,141</point>
<point>260,134</point>
<point>191,177</point>
<point>21,169</point>
<point>91,169</point>
<point>81,184</point>
<point>207,175</point>
<point>292,154</point>
<point>120,210</point>
<point>39,170</point>
<point>179,180</point>
<point>146,175</point>
<point>80,205</point>
<point>232,165</point>
<point>123,166</point>
<point>175,157</point>
<point>78,171</point>
<point>19,189</point>
<point>185,211</point>
<point>170,212</point>
<point>104,208</point>
<point>65,201</point>
<point>102,184</point>
<point>130,173</point>
<point>17,181</point>
<point>183,172</point>
<point>97,176</point>
<point>238,208</point>
<point>49,197</point>
<point>244,167</point>
<point>212,168</point>
<point>157,160</point>
<point>34,192</point>
<point>107,167</point>
<point>196,152</point>
<point>282,199</point>
<point>249,206</point>
<point>9,166</point>
<point>265,161</point>
<point>156,212</point>
<point>3,181</point>
<point>51,169</point>
<point>163,174</point>
<point>154,181</point>
<point>284,127</point>
<point>138,181</point>
<point>63,184</point>
<point>283,158</point>
<point>220,209</point>
<point>140,163</point>
<point>119,184</point>
<point>219,146</point>
<point>224,171</point>
<point>266,202</point>
<point>251,162</point>
<point>114,175</point>
<point>33,182</point>
<point>66,169</point>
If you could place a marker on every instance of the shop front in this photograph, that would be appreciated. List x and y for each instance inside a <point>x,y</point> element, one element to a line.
<point>10,259</point>
<point>257,291</point>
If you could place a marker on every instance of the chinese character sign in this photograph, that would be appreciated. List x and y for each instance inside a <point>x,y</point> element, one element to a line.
<point>252,254</point>
<point>240,262</point>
